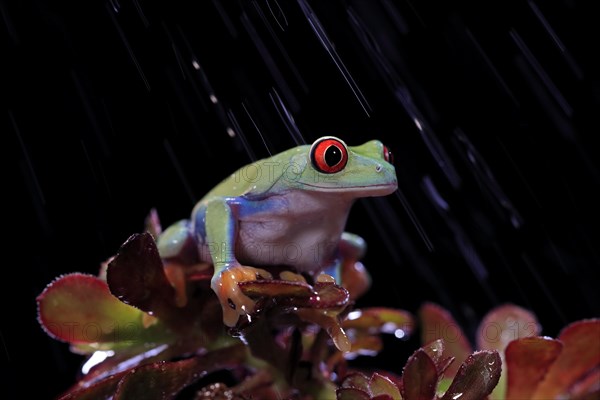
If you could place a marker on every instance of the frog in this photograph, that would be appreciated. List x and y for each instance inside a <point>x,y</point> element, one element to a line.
<point>287,210</point>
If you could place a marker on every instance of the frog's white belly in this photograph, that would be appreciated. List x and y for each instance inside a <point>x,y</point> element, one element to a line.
<point>307,245</point>
<point>302,231</point>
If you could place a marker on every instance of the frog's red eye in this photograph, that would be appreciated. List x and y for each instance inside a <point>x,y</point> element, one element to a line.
<point>387,155</point>
<point>329,155</point>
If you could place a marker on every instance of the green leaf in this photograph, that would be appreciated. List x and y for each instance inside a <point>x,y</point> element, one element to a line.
<point>78,308</point>
<point>527,361</point>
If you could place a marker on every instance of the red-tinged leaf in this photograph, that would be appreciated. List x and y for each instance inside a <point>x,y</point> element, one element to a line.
<point>435,350</point>
<point>356,380</point>
<point>498,328</point>
<point>420,377</point>
<point>330,322</point>
<point>217,391</point>
<point>527,361</point>
<point>153,223</point>
<point>261,342</point>
<point>380,319</point>
<point>594,395</point>
<point>78,308</point>
<point>258,381</point>
<point>437,323</point>
<point>329,295</point>
<point>297,294</point>
<point>355,278</point>
<point>103,390</point>
<point>294,291</point>
<point>587,386</point>
<point>125,359</point>
<point>365,345</point>
<point>164,380</point>
<point>504,324</point>
<point>580,355</point>
<point>476,377</point>
<point>136,277</point>
<point>351,394</point>
<point>381,385</point>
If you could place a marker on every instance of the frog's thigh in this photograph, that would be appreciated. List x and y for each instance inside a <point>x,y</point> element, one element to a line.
<point>176,240</point>
<point>352,246</point>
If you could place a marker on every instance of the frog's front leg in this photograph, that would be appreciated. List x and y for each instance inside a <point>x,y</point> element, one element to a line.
<point>221,225</point>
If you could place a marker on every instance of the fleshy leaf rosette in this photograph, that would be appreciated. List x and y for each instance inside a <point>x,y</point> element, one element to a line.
<point>475,378</point>
<point>534,367</point>
<point>152,328</point>
<point>128,320</point>
<point>131,322</point>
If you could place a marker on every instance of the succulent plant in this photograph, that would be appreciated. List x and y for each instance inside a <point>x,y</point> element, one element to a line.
<point>142,341</point>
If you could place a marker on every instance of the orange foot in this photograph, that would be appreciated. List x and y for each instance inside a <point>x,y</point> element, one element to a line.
<point>233,301</point>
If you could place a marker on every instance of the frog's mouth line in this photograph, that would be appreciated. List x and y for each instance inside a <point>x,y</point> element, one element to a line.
<point>369,188</point>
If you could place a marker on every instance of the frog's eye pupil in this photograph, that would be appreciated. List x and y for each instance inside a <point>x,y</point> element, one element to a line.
<point>333,156</point>
<point>329,155</point>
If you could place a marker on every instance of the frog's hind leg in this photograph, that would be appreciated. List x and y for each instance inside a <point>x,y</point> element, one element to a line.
<point>178,242</point>
<point>352,246</point>
<point>353,274</point>
<point>178,249</point>
<point>350,249</point>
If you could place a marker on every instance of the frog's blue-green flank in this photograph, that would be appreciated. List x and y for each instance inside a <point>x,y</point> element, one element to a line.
<point>287,210</point>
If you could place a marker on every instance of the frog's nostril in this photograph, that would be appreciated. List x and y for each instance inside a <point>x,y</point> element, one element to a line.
<point>378,168</point>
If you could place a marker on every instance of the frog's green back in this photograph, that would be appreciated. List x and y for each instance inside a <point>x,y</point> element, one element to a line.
<point>260,176</point>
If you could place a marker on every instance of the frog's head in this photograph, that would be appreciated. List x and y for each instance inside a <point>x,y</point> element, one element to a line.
<point>331,166</point>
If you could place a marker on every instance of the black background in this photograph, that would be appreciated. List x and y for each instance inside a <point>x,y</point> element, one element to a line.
<point>105,116</point>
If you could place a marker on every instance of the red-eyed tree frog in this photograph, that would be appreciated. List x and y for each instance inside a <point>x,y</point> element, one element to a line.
<point>288,210</point>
